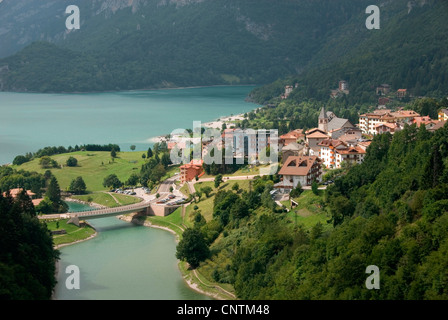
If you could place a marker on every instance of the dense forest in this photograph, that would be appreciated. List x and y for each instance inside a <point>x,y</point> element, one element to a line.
<point>391,211</point>
<point>27,257</point>
<point>176,44</point>
<point>409,51</point>
<point>313,43</point>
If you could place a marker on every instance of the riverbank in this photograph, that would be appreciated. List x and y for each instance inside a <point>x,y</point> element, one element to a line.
<point>191,277</point>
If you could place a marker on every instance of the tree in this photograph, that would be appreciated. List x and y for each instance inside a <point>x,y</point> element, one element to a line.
<point>157,173</point>
<point>132,147</point>
<point>143,156</point>
<point>78,186</point>
<point>54,191</point>
<point>113,153</point>
<point>46,162</point>
<point>433,169</point>
<point>315,188</point>
<point>239,209</point>
<point>193,247</point>
<point>54,195</point>
<point>112,181</point>
<point>45,206</point>
<point>19,160</point>
<point>207,190</point>
<point>48,175</point>
<point>71,162</point>
<point>236,187</point>
<point>218,180</point>
<point>165,160</point>
<point>297,191</point>
<point>149,153</point>
<point>27,256</point>
<point>133,180</point>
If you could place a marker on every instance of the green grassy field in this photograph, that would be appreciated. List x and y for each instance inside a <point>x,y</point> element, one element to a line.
<point>93,167</point>
<point>174,221</point>
<point>73,232</point>
<point>105,199</point>
<point>309,210</point>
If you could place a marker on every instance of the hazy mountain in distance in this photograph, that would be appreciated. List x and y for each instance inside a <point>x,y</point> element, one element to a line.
<point>135,44</point>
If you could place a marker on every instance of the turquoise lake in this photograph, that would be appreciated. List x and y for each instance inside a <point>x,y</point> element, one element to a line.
<point>123,261</point>
<point>30,121</point>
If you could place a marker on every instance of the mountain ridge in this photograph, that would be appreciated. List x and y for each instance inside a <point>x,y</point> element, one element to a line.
<point>144,44</point>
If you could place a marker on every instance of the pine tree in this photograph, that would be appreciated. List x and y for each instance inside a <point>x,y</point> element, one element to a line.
<point>53,191</point>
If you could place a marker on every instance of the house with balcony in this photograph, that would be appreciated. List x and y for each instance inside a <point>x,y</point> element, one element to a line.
<point>299,169</point>
<point>353,155</point>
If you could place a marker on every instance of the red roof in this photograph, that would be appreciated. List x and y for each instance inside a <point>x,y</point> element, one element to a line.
<point>298,165</point>
<point>330,143</point>
<point>351,150</point>
<point>16,191</point>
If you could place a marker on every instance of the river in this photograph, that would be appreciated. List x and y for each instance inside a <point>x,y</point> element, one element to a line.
<point>124,261</point>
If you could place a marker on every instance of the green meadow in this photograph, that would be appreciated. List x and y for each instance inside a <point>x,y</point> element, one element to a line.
<point>74,233</point>
<point>93,167</point>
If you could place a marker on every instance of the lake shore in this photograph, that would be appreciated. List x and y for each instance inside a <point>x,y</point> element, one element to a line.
<point>215,124</point>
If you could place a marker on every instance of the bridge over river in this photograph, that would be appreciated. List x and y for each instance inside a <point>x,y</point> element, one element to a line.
<point>146,207</point>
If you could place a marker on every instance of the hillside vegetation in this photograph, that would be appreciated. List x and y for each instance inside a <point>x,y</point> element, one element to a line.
<point>391,211</point>
<point>174,43</point>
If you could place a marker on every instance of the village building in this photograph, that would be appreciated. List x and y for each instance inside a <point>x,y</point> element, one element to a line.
<point>288,90</point>
<point>364,144</point>
<point>327,151</point>
<point>443,115</point>
<point>292,136</point>
<point>346,134</point>
<point>402,93</point>
<point>372,123</point>
<point>299,169</point>
<point>425,120</point>
<point>384,127</point>
<point>383,90</point>
<point>15,192</point>
<point>353,155</point>
<point>343,85</point>
<point>293,149</point>
<point>328,121</point>
<point>382,102</point>
<point>313,138</point>
<point>435,126</point>
<point>191,170</point>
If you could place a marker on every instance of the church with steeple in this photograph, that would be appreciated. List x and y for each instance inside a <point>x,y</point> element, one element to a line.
<point>323,120</point>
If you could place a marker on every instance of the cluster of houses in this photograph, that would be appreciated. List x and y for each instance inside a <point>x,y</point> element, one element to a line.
<point>304,154</point>
<point>384,120</point>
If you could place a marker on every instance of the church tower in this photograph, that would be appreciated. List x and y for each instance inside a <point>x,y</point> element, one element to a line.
<point>323,120</point>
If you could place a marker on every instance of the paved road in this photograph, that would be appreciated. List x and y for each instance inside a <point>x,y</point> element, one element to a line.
<point>165,185</point>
